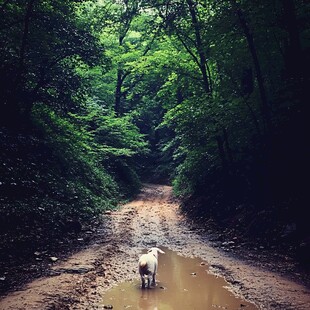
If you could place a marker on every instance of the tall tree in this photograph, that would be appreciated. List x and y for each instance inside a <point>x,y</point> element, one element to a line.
<point>41,50</point>
<point>265,109</point>
<point>183,20</point>
<point>129,10</point>
<point>199,45</point>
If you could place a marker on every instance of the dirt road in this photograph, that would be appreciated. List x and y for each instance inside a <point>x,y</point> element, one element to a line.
<point>153,218</point>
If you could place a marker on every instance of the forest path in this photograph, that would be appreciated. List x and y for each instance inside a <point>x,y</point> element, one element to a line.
<point>80,281</point>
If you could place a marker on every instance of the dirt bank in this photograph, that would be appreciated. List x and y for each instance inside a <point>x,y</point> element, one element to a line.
<point>80,281</point>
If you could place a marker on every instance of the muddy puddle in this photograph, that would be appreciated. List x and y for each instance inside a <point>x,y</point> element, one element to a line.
<point>181,283</point>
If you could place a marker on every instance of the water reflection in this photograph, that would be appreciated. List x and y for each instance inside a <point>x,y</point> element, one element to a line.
<point>183,283</point>
<point>148,300</point>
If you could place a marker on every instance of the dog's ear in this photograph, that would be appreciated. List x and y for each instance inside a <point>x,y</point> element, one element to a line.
<point>160,251</point>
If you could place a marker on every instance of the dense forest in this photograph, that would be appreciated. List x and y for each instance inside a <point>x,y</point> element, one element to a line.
<point>98,96</point>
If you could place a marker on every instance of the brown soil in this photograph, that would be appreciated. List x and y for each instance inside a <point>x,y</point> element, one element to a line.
<point>80,281</point>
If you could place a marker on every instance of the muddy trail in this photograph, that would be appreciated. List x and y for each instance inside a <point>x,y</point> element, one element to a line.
<point>193,274</point>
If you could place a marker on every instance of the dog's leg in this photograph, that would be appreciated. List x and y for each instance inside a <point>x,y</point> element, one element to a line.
<point>149,281</point>
<point>143,281</point>
<point>154,274</point>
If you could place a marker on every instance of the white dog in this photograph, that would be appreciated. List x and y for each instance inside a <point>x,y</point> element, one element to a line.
<point>148,264</point>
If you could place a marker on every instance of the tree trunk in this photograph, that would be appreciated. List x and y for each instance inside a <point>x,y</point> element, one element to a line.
<point>200,49</point>
<point>254,118</point>
<point>228,149</point>
<point>126,19</point>
<point>293,55</point>
<point>265,110</point>
<point>220,145</point>
<point>22,50</point>
<point>12,106</point>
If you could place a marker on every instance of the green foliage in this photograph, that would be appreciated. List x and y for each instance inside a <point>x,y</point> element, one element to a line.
<point>95,141</point>
<point>79,157</point>
<point>207,94</point>
<point>118,142</point>
<point>42,43</point>
<point>197,122</point>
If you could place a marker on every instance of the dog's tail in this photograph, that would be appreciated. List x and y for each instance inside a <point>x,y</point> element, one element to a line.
<point>143,267</point>
<point>143,264</point>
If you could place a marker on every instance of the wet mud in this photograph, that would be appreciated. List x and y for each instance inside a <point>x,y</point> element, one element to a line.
<point>182,283</point>
<point>153,219</point>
